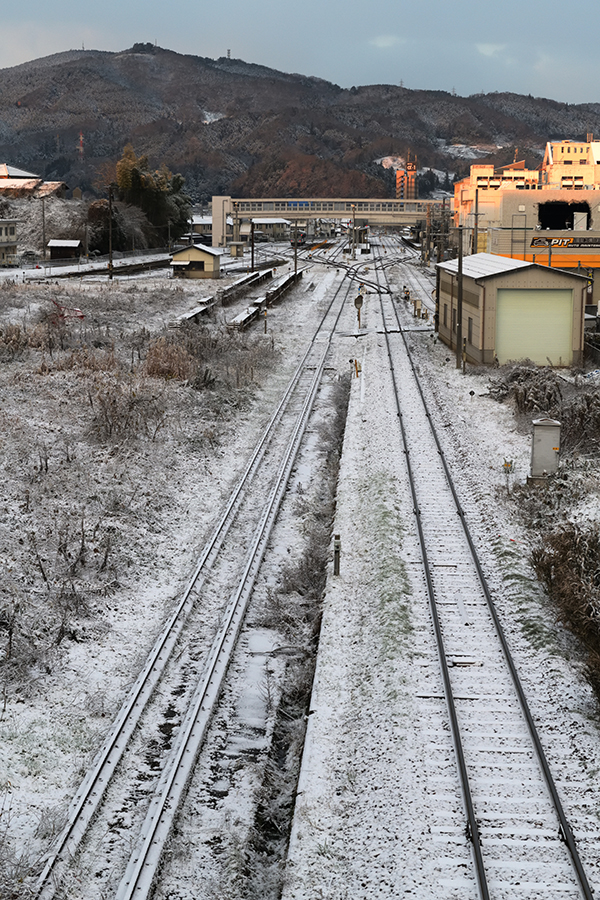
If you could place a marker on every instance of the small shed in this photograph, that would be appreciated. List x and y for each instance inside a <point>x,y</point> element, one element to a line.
<point>64,249</point>
<point>512,309</point>
<point>196,261</point>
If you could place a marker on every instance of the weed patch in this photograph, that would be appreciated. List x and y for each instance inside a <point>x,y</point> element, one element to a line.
<point>567,562</point>
<point>295,611</point>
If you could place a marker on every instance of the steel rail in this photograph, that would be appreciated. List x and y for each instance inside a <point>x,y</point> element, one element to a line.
<point>472,824</point>
<point>140,872</point>
<point>93,787</point>
<point>566,831</point>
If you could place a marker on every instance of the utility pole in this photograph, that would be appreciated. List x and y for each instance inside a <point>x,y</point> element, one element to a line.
<point>353,231</point>
<point>236,223</point>
<point>296,251</point>
<point>252,243</point>
<point>110,247</point>
<point>43,228</point>
<point>428,235</point>
<point>459,299</point>
<point>476,226</point>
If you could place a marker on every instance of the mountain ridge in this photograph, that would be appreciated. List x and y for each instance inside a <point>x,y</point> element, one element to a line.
<point>236,127</point>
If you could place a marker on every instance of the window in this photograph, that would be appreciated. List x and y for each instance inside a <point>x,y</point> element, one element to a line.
<point>12,229</point>
<point>453,320</point>
<point>470,330</point>
<point>445,315</point>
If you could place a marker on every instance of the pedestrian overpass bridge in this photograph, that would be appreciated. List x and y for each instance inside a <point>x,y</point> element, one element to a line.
<point>379,211</point>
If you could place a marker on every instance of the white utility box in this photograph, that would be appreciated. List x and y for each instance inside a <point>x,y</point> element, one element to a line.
<point>545,447</point>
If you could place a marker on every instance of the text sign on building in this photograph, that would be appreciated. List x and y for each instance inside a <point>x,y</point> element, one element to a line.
<point>574,242</point>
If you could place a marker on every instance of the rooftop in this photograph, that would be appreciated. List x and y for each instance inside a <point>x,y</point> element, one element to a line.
<point>482,265</point>
<point>7,171</point>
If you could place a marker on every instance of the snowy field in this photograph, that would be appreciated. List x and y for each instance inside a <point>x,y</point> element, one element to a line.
<point>111,480</point>
<point>99,532</point>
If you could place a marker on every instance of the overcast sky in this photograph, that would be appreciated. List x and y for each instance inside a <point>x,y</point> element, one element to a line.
<point>543,47</point>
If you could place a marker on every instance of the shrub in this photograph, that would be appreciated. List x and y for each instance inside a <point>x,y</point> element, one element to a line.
<point>532,389</point>
<point>127,408</point>
<point>567,562</point>
<point>167,358</point>
<point>580,420</point>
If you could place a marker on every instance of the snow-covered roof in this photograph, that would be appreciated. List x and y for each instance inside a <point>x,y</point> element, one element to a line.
<point>7,171</point>
<point>267,221</point>
<point>27,184</point>
<point>482,265</point>
<point>34,186</point>
<point>212,251</point>
<point>57,243</point>
<point>207,220</point>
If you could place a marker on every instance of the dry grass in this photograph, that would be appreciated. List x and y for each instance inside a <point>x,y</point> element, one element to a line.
<point>567,562</point>
<point>81,361</point>
<point>540,391</point>
<point>127,407</point>
<point>168,358</point>
<point>294,610</point>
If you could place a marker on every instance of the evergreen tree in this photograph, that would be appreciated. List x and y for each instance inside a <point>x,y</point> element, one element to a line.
<point>159,194</point>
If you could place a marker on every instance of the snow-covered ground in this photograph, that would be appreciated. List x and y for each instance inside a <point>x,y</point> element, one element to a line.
<point>366,800</point>
<point>146,504</point>
<point>376,811</point>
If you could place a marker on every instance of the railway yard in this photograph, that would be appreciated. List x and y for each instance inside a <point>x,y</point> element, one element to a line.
<point>171,494</point>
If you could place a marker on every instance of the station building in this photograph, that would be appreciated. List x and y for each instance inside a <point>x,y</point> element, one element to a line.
<point>196,261</point>
<point>513,309</point>
<point>275,229</point>
<point>203,226</point>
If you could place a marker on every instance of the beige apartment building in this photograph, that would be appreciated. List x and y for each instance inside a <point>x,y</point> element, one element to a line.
<point>572,164</point>
<point>549,216</point>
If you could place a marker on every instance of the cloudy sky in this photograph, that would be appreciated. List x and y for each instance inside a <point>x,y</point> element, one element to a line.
<point>541,47</point>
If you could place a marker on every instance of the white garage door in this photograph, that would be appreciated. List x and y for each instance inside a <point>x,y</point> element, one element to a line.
<point>535,325</point>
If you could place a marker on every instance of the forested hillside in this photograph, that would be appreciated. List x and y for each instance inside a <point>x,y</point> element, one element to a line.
<point>229,126</point>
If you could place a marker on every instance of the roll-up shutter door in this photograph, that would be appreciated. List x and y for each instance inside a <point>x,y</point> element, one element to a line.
<point>536,325</point>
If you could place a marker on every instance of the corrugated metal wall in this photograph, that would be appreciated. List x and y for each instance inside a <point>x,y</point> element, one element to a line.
<point>536,325</point>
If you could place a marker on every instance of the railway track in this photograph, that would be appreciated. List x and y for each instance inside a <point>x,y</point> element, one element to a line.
<point>520,840</point>
<point>150,751</point>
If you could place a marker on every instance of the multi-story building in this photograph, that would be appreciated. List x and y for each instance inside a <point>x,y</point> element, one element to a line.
<point>549,215</point>
<point>8,241</point>
<point>406,181</point>
<point>572,164</point>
